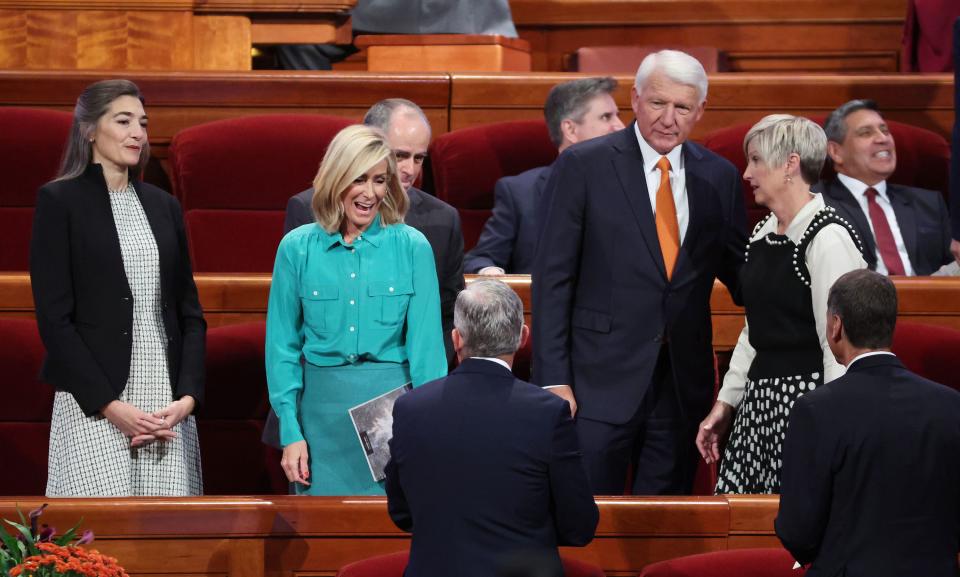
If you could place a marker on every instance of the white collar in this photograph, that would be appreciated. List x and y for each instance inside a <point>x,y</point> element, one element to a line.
<point>800,222</point>
<point>859,188</point>
<point>869,354</point>
<point>500,362</point>
<point>651,157</point>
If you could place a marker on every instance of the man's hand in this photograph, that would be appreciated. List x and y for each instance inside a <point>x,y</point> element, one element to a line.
<point>566,393</point>
<point>713,430</point>
<point>955,249</point>
<point>491,271</point>
<point>294,462</point>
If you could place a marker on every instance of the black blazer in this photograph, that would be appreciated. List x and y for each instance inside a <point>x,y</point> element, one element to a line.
<point>871,475</point>
<point>921,215</point>
<point>602,304</point>
<point>509,237</point>
<point>485,467</point>
<point>438,221</point>
<point>83,302</point>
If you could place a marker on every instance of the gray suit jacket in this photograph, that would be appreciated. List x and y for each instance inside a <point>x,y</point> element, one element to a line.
<point>921,215</point>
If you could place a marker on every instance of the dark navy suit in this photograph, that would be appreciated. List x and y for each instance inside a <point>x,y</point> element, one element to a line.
<point>921,215</point>
<point>509,238</point>
<point>485,468</point>
<point>606,319</point>
<point>871,475</point>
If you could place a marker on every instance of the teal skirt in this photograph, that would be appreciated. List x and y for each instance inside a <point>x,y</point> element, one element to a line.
<point>337,462</point>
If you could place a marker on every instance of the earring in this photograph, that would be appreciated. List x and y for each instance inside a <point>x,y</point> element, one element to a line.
<point>787,179</point>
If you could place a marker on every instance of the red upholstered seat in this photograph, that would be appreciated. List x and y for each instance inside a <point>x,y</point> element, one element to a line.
<point>923,158</point>
<point>626,59</point>
<point>230,423</point>
<point>31,146</point>
<point>930,351</point>
<point>234,178</point>
<point>25,410</point>
<point>467,163</point>
<point>732,563</point>
<point>393,565</point>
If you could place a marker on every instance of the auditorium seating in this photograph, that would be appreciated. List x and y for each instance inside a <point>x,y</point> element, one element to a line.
<point>31,145</point>
<point>393,565</point>
<point>733,563</point>
<point>234,178</point>
<point>923,158</point>
<point>467,163</point>
<point>930,351</point>
<point>25,410</point>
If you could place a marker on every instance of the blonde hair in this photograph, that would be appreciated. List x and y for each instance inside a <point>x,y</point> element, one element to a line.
<point>777,136</point>
<point>352,152</point>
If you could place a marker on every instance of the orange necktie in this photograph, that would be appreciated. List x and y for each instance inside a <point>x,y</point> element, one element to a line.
<point>668,231</point>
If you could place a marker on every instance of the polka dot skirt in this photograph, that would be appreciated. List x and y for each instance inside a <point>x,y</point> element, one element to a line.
<point>752,458</point>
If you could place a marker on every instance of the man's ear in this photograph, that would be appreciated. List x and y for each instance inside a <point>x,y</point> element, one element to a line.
<point>568,128</point>
<point>835,152</point>
<point>457,341</point>
<point>524,335</point>
<point>835,329</point>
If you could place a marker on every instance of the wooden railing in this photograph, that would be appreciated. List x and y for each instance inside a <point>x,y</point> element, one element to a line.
<point>283,536</point>
<point>234,298</point>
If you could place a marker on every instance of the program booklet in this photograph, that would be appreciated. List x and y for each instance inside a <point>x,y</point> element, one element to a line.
<point>373,422</point>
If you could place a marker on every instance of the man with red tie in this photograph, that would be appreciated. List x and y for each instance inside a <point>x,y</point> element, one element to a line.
<point>905,230</point>
<point>636,226</point>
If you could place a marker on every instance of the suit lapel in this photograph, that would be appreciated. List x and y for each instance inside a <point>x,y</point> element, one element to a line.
<point>698,202</point>
<point>628,165</point>
<point>849,208</point>
<point>906,219</point>
<point>412,217</point>
<point>540,184</point>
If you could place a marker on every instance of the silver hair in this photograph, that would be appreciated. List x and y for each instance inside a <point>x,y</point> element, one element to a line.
<point>777,136</point>
<point>677,66</point>
<point>570,100</point>
<point>489,317</point>
<point>381,113</point>
<point>836,124</point>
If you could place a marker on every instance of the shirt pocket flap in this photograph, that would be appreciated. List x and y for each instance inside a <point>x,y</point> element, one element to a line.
<point>591,320</point>
<point>389,289</point>
<point>320,292</point>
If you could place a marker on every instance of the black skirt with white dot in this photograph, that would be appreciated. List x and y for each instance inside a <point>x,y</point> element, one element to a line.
<point>89,456</point>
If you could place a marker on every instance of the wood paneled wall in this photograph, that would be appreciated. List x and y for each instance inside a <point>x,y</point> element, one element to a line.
<point>235,298</point>
<point>159,35</point>
<point>757,35</point>
<point>452,101</point>
<point>284,536</point>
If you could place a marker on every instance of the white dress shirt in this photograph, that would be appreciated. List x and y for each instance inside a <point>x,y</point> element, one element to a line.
<point>859,191</point>
<point>678,180</point>
<point>830,254</point>
<point>500,362</point>
<point>869,354</point>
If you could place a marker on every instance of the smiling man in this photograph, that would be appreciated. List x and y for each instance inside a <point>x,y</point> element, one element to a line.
<point>905,230</point>
<point>636,226</point>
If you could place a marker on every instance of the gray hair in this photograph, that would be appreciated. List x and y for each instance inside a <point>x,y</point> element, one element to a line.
<point>570,100</point>
<point>866,302</point>
<point>93,103</point>
<point>381,113</point>
<point>836,124</point>
<point>677,66</point>
<point>777,136</point>
<point>489,317</point>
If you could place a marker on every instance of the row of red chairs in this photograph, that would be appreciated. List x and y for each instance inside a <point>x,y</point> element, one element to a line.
<point>230,422</point>
<point>233,177</point>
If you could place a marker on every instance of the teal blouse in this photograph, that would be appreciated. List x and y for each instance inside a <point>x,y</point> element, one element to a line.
<point>375,300</point>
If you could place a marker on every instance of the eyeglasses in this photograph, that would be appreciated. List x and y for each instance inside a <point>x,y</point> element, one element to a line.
<point>402,155</point>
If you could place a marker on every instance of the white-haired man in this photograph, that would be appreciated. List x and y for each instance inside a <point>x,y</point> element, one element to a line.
<point>636,226</point>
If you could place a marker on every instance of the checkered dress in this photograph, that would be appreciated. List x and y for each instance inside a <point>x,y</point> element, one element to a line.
<point>88,455</point>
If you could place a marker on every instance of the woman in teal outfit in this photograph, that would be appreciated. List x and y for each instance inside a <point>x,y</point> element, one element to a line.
<point>355,294</point>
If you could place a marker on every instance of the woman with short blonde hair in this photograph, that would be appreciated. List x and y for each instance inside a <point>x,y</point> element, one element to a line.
<point>354,295</point>
<point>794,256</point>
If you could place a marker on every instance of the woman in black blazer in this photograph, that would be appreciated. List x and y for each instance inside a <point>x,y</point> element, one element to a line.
<point>118,312</point>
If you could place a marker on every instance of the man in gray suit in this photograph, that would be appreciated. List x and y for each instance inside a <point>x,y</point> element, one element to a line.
<point>408,133</point>
<point>905,230</point>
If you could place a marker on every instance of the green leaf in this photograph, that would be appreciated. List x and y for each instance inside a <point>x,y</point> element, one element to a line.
<point>67,537</point>
<point>9,542</point>
<point>31,548</point>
